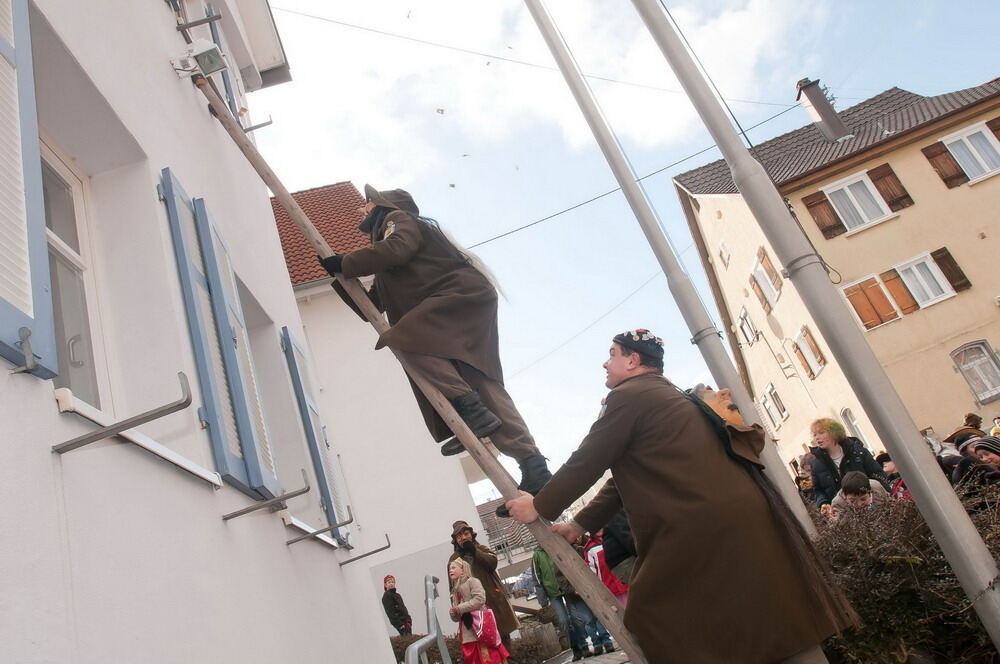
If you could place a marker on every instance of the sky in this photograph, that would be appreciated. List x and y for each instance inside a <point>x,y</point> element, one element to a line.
<point>460,103</point>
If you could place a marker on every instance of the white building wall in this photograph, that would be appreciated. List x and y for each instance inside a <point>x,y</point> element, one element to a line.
<point>396,479</point>
<point>110,553</point>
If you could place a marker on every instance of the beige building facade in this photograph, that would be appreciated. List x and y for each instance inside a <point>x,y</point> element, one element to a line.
<point>901,202</point>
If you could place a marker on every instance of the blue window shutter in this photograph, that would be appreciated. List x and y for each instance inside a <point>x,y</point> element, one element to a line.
<point>217,410</point>
<point>24,261</point>
<point>312,424</point>
<point>236,356</point>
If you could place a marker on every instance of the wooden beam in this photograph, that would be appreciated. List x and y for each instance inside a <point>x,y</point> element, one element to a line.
<point>586,583</point>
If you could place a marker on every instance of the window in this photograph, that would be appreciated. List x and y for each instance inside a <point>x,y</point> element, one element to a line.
<point>773,406</point>
<point>724,254</point>
<point>765,281</point>
<point>924,280</point>
<point>856,201</point>
<point>914,284</point>
<point>747,329</point>
<point>976,150</point>
<point>71,278</point>
<point>807,350</point>
<point>851,423</point>
<point>970,154</point>
<point>979,366</point>
<point>232,410</point>
<point>25,304</point>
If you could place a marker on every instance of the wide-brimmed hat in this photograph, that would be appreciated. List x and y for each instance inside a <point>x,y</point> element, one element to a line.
<point>397,199</point>
<point>459,526</point>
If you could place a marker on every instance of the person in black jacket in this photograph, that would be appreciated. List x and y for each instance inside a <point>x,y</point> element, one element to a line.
<point>836,454</point>
<point>392,602</point>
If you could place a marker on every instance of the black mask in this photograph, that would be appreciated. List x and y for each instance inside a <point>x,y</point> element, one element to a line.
<point>371,223</point>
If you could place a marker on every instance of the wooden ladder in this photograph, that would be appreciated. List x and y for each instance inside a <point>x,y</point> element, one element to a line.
<point>587,584</point>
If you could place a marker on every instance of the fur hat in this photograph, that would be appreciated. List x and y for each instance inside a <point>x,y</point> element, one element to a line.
<point>458,527</point>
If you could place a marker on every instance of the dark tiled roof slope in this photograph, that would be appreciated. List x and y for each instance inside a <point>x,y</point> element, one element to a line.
<point>333,209</point>
<point>873,121</point>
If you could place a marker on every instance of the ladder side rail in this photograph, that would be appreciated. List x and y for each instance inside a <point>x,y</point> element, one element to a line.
<point>587,584</point>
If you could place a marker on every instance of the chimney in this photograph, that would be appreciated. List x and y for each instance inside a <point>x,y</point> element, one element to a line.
<point>821,110</point>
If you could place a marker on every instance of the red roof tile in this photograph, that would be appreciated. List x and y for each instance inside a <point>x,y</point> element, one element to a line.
<point>333,209</point>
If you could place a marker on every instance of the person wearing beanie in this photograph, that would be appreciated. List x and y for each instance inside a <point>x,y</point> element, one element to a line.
<point>897,486</point>
<point>987,449</point>
<point>721,560</point>
<point>441,303</point>
<point>483,563</point>
<point>394,607</point>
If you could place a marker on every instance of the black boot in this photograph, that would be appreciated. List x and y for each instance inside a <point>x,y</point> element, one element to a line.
<point>452,446</point>
<point>608,647</point>
<point>577,654</point>
<point>534,474</point>
<point>480,419</point>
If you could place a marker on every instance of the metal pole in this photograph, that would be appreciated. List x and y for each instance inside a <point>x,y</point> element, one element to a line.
<point>962,545</point>
<point>703,330</point>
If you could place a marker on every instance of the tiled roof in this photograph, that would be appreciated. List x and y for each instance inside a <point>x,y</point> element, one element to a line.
<point>873,121</point>
<point>333,209</point>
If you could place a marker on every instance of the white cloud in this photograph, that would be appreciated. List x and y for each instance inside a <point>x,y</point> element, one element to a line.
<point>366,104</point>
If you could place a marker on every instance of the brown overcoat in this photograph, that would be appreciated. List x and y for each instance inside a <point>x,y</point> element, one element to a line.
<point>484,567</point>
<point>715,578</point>
<point>436,301</point>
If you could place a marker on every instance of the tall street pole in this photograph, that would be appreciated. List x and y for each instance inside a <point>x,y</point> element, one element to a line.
<point>961,542</point>
<point>703,330</point>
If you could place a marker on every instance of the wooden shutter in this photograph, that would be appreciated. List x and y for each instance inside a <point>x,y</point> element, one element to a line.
<point>772,274</point>
<point>760,294</point>
<point>870,303</point>
<point>952,272</point>
<point>994,126</point>
<point>890,187</point>
<point>824,215</point>
<point>802,360</point>
<point>945,165</point>
<point>814,347</point>
<point>900,293</point>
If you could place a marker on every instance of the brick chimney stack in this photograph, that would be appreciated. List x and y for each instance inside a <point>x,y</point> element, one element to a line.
<point>821,110</point>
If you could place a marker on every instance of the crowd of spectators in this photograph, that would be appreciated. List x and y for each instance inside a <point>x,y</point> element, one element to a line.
<point>840,474</point>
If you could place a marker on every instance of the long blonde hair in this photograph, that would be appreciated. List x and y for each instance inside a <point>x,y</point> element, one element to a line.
<point>466,568</point>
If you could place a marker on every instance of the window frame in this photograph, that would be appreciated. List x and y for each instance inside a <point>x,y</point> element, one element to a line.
<point>885,291</point>
<point>844,184</point>
<point>802,343</point>
<point>724,254</point>
<point>744,317</point>
<point>84,261</point>
<point>769,398</point>
<point>942,280</point>
<point>962,135</point>
<point>41,320</point>
<point>759,274</point>
<point>992,395</point>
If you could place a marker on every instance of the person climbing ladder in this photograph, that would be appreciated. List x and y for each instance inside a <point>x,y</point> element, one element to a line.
<point>442,308</point>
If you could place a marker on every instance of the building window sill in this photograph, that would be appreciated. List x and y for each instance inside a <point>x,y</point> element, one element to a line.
<point>861,229</point>
<point>69,404</point>
<point>301,525</point>
<point>987,176</point>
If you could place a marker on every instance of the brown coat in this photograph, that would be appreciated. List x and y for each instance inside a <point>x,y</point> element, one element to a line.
<point>484,567</point>
<point>436,301</point>
<point>715,578</point>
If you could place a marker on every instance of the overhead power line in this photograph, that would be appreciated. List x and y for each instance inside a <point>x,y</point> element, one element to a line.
<point>493,56</point>
<point>616,189</point>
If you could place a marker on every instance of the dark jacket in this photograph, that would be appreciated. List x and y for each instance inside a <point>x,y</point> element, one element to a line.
<point>618,542</point>
<point>436,301</point>
<point>826,476</point>
<point>715,571</point>
<point>392,602</point>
